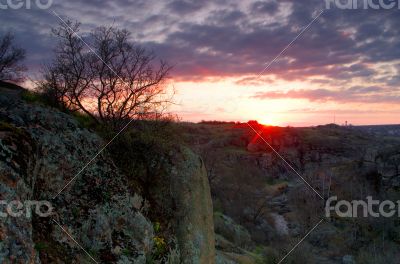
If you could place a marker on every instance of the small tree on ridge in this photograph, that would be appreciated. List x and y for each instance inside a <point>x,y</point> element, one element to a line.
<point>112,81</point>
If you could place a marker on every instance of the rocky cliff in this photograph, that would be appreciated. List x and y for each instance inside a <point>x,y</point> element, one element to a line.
<point>96,217</point>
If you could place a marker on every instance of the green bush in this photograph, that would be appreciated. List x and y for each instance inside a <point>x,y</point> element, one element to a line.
<point>272,255</point>
<point>87,122</point>
<point>140,151</point>
<point>266,255</point>
<point>40,246</point>
<point>31,97</point>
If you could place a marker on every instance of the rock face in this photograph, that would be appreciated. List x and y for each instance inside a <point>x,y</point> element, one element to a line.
<point>195,228</point>
<point>238,235</point>
<point>188,192</point>
<point>41,150</point>
<point>16,163</point>
<point>44,156</point>
<point>233,242</point>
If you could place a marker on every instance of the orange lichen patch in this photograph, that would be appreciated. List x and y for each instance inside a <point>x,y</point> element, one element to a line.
<point>7,179</point>
<point>3,234</point>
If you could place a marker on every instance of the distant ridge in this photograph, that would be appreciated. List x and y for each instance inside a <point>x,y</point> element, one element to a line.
<point>9,85</point>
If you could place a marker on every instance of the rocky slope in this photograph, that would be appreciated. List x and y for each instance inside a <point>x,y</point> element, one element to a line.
<point>42,149</point>
<point>254,188</point>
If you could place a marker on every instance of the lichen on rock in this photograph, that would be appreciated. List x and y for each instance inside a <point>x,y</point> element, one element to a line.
<point>41,150</point>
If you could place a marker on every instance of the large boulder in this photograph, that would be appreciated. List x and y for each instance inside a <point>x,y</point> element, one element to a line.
<point>188,192</point>
<point>194,217</point>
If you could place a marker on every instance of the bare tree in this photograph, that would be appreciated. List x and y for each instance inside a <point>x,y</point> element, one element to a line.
<point>11,57</point>
<point>112,81</point>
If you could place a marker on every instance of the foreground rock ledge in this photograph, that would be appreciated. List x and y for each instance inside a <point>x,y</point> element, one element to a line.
<point>41,149</point>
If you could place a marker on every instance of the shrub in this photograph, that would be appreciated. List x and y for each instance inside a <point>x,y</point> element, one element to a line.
<point>33,97</point>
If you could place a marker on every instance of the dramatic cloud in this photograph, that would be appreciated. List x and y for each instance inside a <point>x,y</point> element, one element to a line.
<point>354,94</point>
<point>222,38</point>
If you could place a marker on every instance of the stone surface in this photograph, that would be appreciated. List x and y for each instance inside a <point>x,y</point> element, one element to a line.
<point>194,221</point>
<point>42,153</point>
<point>41,150</point>
<point>348,259</point>
<point>226,227</point>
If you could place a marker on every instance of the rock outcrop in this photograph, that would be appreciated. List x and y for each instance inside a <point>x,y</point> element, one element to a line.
<point>194,216</point>
<point>44,155</point>
<point>42,150</point>
<point>182,193</point>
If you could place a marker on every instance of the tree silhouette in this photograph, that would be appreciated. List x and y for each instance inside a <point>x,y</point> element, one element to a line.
<point>112,81</point>
<point>11,57</point>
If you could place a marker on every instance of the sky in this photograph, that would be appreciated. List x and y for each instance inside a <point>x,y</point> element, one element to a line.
<point>345,66</point>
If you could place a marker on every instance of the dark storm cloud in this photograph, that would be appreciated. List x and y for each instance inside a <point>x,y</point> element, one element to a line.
<point>184,7</point>
<point>234,38</point>
<point>269,7</point>
<point>337,38</point>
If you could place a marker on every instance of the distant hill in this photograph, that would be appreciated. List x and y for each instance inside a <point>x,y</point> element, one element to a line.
<point>9,85</point>
<point>381,130</point>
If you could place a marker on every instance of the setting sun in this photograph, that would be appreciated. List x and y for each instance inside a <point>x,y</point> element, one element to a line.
<point>268,121</point>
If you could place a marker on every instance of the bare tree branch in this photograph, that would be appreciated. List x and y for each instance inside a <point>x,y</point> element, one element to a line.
<point>121,81</point>
<point>11,57</point>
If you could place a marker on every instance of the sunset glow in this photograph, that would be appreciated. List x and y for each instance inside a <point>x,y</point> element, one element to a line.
<point>200,131</point>
<point>344,67</point>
